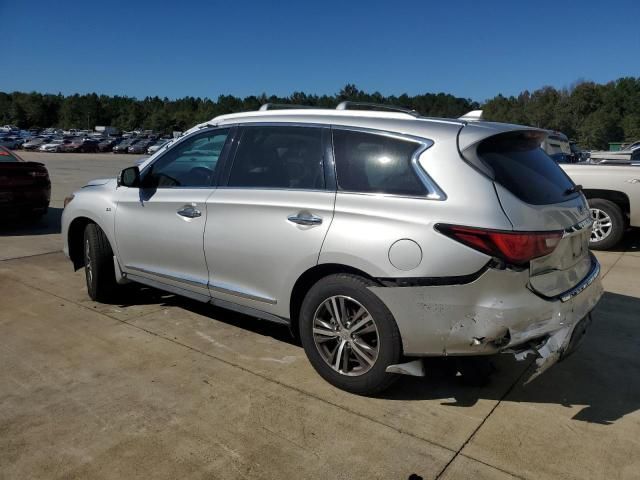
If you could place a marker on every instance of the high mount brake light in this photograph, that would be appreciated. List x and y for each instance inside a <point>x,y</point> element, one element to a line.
<point>516,248</point>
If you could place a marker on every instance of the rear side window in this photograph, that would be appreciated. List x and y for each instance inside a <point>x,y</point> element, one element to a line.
<point>372,163</point>
<point>279,157</point>
<point>518,164</point>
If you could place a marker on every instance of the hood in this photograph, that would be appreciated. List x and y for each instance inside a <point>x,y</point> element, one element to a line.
<point>98,182</point>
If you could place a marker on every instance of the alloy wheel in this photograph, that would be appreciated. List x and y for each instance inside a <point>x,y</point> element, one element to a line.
<point>87,261</point>
<point>346,335</point>
<point>602,225</point>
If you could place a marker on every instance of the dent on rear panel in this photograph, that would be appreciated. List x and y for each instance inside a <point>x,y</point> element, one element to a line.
<point>467,319</point>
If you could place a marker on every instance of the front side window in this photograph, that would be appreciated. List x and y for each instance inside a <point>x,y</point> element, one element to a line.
<point>373,163</point>
<point>191,163</point>
<point>279,157</point>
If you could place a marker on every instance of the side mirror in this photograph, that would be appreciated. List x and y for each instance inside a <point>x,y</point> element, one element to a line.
<point>129,177</point>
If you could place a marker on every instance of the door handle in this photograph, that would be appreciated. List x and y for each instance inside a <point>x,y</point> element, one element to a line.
<point>305,219</point>
<point>189,211</point>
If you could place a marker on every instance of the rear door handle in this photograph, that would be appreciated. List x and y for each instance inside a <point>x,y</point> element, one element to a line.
<point>304,219</point>
<point>189,211</point>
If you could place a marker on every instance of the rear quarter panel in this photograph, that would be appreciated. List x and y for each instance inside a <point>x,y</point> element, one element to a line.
<point>365,226</point>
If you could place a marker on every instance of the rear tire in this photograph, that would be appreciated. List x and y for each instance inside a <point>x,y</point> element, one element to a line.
<point>98,265</point>
<point>369,335</point>
<point>609,224</point>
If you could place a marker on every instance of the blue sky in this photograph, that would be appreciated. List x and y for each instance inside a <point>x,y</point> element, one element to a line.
<point>473,49</point>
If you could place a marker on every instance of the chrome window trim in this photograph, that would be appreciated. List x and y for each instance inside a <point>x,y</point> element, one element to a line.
<point>433,189</point>
<point>434,192</point>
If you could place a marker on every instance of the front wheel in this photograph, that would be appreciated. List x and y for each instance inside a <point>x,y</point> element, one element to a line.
<point>349,335</point>
<point>608,224</point>
<point>98,265</point>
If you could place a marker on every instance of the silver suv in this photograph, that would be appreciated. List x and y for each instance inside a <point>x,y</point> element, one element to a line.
<point>380,236</point>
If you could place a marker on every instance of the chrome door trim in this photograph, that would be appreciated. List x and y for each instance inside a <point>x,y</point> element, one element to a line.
<point>189,211</point>
<point>185,292</point>
<point>254,312</point>
<point>305,220</point>
<point>240,293</point>
<point>196,282</point>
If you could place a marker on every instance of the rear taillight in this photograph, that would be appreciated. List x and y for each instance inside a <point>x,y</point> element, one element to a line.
<point>515,248</point>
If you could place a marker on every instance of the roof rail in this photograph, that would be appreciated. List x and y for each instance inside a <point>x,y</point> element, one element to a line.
<point>346,105</point>
<point>281,106</point>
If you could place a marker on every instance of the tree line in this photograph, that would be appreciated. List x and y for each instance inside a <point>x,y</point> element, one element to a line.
<point>592,114</point>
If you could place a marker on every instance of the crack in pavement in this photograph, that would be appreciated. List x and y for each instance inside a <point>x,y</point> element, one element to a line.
<point>484,420</point>
<point>30,256</point>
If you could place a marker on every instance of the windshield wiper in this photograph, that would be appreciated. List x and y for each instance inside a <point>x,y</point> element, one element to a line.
<point>574,189</point>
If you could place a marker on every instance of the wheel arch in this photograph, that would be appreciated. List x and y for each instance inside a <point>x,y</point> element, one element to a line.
<point>308,279</point>
<point>75,239</point>
<point>619,198</point>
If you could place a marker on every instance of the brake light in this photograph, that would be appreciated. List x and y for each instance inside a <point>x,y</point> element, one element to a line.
<point>516,248</point>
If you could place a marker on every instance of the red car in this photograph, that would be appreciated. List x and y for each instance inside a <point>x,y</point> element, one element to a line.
<point>25,187</point>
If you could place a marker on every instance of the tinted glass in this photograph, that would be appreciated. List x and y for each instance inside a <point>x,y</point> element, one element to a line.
<point>191,163</point>
<point>279,157</point>
<point>372,163</point>
<point>520,166</point>
<point>6,156</point>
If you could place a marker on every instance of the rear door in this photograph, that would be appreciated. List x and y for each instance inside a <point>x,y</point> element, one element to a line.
<point>536,195</point>
<point>267,221</point>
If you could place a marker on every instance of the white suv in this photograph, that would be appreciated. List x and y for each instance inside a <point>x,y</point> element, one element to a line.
<point>382,237</point>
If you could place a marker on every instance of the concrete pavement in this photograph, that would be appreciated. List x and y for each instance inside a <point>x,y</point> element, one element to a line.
<point>162,387</point>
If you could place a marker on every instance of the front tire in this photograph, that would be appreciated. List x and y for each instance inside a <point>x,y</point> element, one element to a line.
<point>349,335</point>
<point>98,265</point>
<point>609,225</point>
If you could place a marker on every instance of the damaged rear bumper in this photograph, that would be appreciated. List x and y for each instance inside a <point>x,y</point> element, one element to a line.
<point>497,312</point>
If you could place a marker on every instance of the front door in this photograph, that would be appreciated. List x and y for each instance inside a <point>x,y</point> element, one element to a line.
<point>160,226</point>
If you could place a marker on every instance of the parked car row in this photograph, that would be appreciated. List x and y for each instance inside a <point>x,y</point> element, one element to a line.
<point>85,144</point>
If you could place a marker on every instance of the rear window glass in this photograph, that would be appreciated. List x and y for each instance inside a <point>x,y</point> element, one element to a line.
<point>522,167</point>
<point>372,163</point>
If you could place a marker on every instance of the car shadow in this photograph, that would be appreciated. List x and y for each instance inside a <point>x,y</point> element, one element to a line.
<point>630,242</point>
<point>135,294</point>
<point>46,225</point>
<point>602,376</point>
